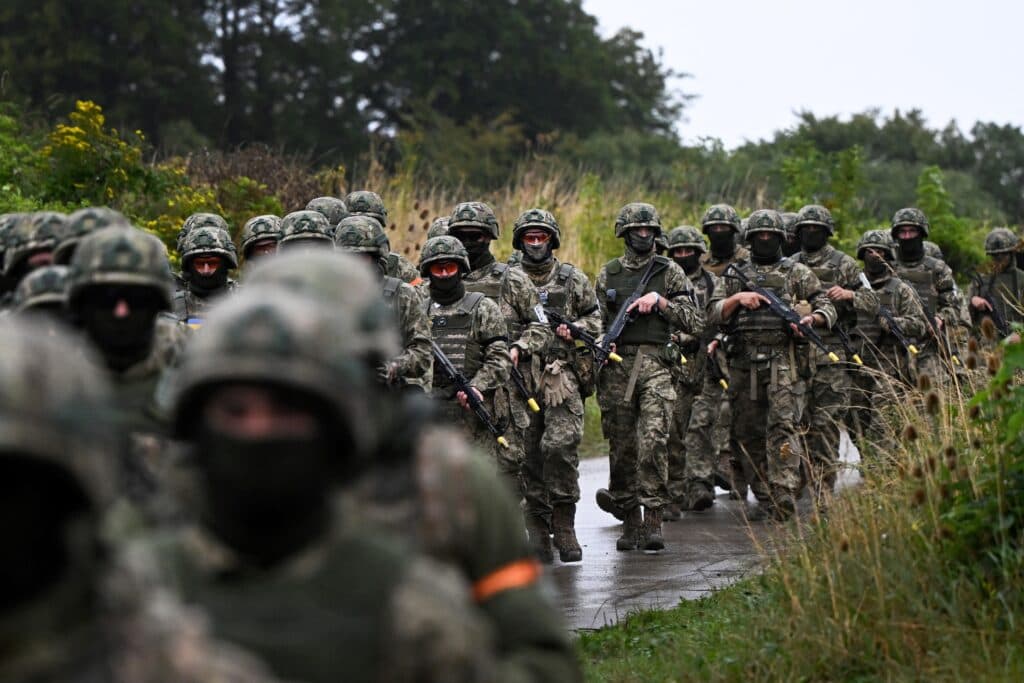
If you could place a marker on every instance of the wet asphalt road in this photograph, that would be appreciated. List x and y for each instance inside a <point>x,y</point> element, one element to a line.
<point>704,551</point>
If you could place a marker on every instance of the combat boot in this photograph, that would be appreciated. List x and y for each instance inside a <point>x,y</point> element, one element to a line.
<point>630,530</point>
<point>653,539</point>
<point>540,539</point>
<point>608,504</point>
<point>699,497</point>
<point>672,513</point>
<point>563,519</point>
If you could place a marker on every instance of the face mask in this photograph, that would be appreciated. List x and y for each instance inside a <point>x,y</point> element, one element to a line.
<point>765,251</point>
<point>688,263</point>
<point>265,498</point>
<point>790,247</point>
<point>723,244</point>
<point>205,284</point>
<point>446,290</point>
<point>874,266</point>
<point>122,340</point>
<point>641,245</point>
<point>813,239</point>
<point>537,253</point>
<point>912,249</point>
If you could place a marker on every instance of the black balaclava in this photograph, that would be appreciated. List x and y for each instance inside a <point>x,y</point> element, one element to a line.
<point>813,238</point>
<point>912,249</point>
<point>723,243</point>
<point>204,285</point>
<point>766,251</point>
<point>479,250</point>
<point>122,341</point>
<point>690,263</point>
<point>790,246</point>
<point>876,267</point>
<point>447,290</point>
<point>641,245</point>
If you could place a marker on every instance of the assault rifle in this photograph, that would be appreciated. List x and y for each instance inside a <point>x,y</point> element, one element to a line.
<point>782,310</point>
<point>520,382</point>
<point>895,329</point>
<point>456,377</point>
<point>1001,325</point>
<point>626,316</point>
<point>579,334</point>
<point>844,339</point>
<point>716,370</point>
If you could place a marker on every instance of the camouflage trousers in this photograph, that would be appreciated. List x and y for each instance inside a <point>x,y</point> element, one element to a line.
<point>506,460</point>
<point>766,406</point>
<point>637,427</point>
<point>551,467</point>
<point>828,400</point>
<point>684,465</point>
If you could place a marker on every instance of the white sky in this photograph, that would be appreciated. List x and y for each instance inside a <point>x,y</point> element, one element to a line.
<point>755,63</point>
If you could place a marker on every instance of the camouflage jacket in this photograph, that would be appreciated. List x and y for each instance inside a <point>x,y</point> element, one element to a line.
<point>400,267</point>
<point>448,503</point>
<point>517,299</point>
<point>416,362</point>
<point>189,305</point>
<point>1007,291</point>
<point>947,299</point>
<point>708,289</point>
<point>871,333</point>
<point>490,332</point>
<point>717,266</point>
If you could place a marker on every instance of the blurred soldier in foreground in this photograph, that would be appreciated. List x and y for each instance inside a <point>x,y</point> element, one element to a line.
<point>78,225</point>
<point>43,291</point>
<point>30,242</point>
<point>366,203</point>
<point>260,236</point>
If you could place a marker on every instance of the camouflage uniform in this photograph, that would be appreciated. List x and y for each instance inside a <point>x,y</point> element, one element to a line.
<point>1003,283</point>
<point>713,400</point>
<point>257,229</point>
<point>31,233</point>
<point>828,396</point>
<point>552,439</point>
<point>196,220</point>
<point>78,225</point>
<point>71,615</point>
<point>415,365</point>
<point>357,605</point>
<point>879,383</point>
<point>933,281</point>
<point>766,385</point>
<point>792,243</point>
<point>366,203</point>
<point>427,486</point>
<point>190,304</point>
<point>518,302</point>
<point>636,395</point>
<point>691,455</point>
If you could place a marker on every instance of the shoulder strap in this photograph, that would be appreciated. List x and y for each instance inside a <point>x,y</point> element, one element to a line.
<point>391,285</point>
<point>564,273</point>
<point>470,302</point>
<point>613,267</point>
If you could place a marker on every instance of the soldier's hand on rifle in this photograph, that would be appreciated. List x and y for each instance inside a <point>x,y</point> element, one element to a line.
<point>837,293</point>
<point>463,401</point>
<point>749,300</point>
<point>648,302</point>
<point>514,355</point>
<point>980,303</point>
<point>938,323</point>
<point>808,321</point>
<point>563,332</point>
<point>712,347</point>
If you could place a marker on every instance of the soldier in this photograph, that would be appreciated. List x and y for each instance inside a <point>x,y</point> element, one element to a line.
<point>332,208</point>
<point>636,395</point>
<point>828,395</point>
<point>414,366</point>
<point>878,342</point>
<point>279,400</point>
<point>78,225</point>
<point>66,612</point>
<point>366,203</point>
<point>475,226</point>
<point>691,463</point>
<point>766,386</point>
<point>438,228</point>
<point>471,331</point>
<point>427,486</point>
<point>305,230</point>
<point>931,279</point>
<point>44,290</point>
<point>260,236</point>
<point>30,244</point>
<point>552,440</point>
<point>208,254</point>
<point>792,243</point>
<point>1002,285</point>
<point>199,220</point>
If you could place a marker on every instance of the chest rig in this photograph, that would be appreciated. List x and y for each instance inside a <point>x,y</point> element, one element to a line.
<point>869,328</point>
<point>621,281</point>
<point>921,278</point>
<point>493,286</point>
<point>453,332</point>
<point>761,327</point>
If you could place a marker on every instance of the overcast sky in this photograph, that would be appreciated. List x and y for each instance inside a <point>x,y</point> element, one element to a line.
<point>754,63</point>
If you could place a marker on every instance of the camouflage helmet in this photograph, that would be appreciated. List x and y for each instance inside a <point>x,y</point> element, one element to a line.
<point>55,406</point>
<point>765,220</point>
<point>366,203</point>
<point>474,215</point>
<point>686,236</point>
<point>789,223</point>
<point>637,215</point>
<point>7,222</point>
<point>438,228</point>
<point>269,335</point>
<point>31,233</point>
<point>305,225</point>
<point>265,227</point>
<point>332,208</point>
<point>119,255</point>
<point>815,214</point>
<point>1001,241</point>
<point>909,216</point>
<point>720,214</point>
<point>443,248</point>
<point>209,241</point>
<point>876,239</point>
<point>360,234</point>
<point>538,219</point>
<point>42,287</point>
<point>199,220</point>
<point>81,223</point>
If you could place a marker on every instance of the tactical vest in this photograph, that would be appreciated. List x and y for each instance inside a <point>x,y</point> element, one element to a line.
<point>453,332</point>
<point>392,264</point>
<point>554,294</point>
<point>646,329</point>
<point>829,274</point>
<point>869,328</point>
<point>921,278</point>
<point>493,286</point>
<point>761,327</point>
<point>391,287</point>
<point>1005,290</point>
